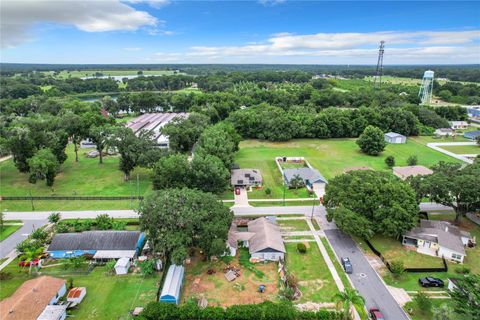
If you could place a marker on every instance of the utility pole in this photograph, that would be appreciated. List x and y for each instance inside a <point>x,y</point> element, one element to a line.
<point>31,200</point>
<point>284,192</point>
<point>379,71</point>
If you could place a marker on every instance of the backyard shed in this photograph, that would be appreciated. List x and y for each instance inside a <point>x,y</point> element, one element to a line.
<point>76,294</point>
<point>122,266</point>
<point>173,284</point>
<point>393,137</point>
<point>54,313</point>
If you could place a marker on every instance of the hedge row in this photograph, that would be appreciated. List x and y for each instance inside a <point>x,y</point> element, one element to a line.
<point>263,311</point>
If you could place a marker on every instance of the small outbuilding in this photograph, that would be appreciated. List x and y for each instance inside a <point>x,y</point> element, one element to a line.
<point>472,135</point>
<point>76,295</point>
<point>54,313</point>
<point>172,286</point>
<point>122,266</point>
<point>392,137</point>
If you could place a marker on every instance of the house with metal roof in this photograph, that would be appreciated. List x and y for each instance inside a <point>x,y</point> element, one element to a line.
<point>246,178</point>
<point>54,313</point>
<point>472,135</point>
<point>102,245</point>
<point>262,237</point>
<point>438,238</point>
<point>172,286</point>
<point>393,137</point>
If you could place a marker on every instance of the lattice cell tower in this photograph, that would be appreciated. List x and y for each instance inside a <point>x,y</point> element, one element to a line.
<point>379,71</point>
<point>426,89</point>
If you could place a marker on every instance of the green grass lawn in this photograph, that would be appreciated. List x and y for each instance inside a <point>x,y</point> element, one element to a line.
<point>84,178</point>
<point>67,205</point>
<point>7,230</point>
<point>462,149</point>
<point>88,73</point>
<point>314,278</point>
<point>293,225</point>
<point>108,296</point>
<point>331,157</point>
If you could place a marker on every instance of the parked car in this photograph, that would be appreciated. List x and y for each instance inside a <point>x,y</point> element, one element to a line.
<point>24,263</point>
<point>237,191</point>
<point>347,265</point>
<point>428,282</point>
<point>375,314</point>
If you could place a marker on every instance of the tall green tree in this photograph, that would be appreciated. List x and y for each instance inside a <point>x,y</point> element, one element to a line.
<point>177,219</point>
<point>172,171</point>
<point>184,133</point>
<point>220,141</point>
<point>100,135</point>
<point>364,203</point>
<point>466,296</point>
<point>453,185</point>
<point>43,166</point>
<point>209,174</point>
<point>372,141</point>
<point>347,299</point>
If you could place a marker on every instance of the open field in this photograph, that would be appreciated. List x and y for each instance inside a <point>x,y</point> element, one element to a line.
<point>7,230</point>
<point>67,205</point>
<point>462,149</point>
<point>331,157</point>
<point>84,178</point>
<point>108,296</point>
<point>314,279</point>
<point>220,292</point>
<point>293,225</point>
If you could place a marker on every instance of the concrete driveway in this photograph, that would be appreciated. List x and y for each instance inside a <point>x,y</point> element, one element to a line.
<point>364,278</point>
<point>9,244</point>
<point>241,200</point>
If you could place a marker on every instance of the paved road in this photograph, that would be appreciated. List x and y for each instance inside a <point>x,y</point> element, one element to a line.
<point>364,278</point>
<point>7,245</point>
<point>304,210</point>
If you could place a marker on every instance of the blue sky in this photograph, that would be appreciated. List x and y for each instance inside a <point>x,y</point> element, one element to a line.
<point>168,31</point>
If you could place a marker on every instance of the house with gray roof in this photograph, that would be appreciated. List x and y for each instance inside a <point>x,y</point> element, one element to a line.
<point>438,238</point>
<point>102,245</point>
<point>309,176</point>
<point>246,178</point>
<point>262,237</point>
<point>393,137</point>
<point>472,135</point>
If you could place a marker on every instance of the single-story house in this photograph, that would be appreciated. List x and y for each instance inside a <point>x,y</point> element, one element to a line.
<point>458,125</point>
<point>472,135</point>
<point>473,111</point>
<point>392,137</point>
<point>262,237</point>
<point>444,132</point>
<point>310,176</point>
<point>122,266</point>
<point>411,171</point>
<point>438,238</point>
<point>76,295</point>
<point>54,313</point>
<point>32,297</point>
<point>173,284</point>
<point>246,178</point>
<point>103,245</point>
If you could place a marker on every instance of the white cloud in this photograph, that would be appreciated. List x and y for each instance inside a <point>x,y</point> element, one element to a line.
<point>401,47</point>
<point>19,16</point>
<point>157,4</point>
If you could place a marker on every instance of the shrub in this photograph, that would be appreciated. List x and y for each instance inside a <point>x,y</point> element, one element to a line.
<point>110,266</point>
<point>39,234</point>
<point>74,263</point>
<point>118,225</point>
<point>397,268</point>
<point>371,141</point>
<point>147,267</point>
<point>301,247</point>
<point>268,191</point>
<point>390,161</point>
<point>62,228</point>
<point>423,302</point>
<point>412,160</point>
<point>54,217</point>
<point>462,270</point>
<point>103,222</point>
<point>5,275</point>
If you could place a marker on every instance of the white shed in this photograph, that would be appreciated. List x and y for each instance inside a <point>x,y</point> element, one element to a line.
<point>76,294</point>
<point>393,137</point>
<point>122,266</point>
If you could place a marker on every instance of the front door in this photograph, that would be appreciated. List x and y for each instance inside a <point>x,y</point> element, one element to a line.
<point>426,244</point>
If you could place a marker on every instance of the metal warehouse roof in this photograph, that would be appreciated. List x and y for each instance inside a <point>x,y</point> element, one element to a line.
<point>95,240</point>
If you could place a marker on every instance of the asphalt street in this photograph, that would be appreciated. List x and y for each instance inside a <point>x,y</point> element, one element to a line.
<point>364,277</point>
<point>7,245</point>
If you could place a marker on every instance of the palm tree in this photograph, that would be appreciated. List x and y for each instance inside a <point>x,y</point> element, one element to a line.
<point>30,254</point>
<point>346,299</point>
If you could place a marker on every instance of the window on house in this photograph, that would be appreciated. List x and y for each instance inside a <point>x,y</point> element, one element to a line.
<point>456,256</point>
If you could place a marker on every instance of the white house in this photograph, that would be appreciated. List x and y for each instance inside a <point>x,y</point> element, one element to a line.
<point>458,125</point>
<point>122,266</point>
<point>262,238</point>
<point>443,132</point>
<point>438,238</point>
<point>392,137</point>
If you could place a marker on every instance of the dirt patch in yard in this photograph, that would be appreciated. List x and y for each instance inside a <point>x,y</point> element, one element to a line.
<point>220,292</point>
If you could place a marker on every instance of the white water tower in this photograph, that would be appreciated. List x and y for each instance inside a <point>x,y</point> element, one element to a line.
<point>426,89</point>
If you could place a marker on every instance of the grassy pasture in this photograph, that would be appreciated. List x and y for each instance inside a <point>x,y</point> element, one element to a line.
<point>462,149</point>
<point>110,73</point>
